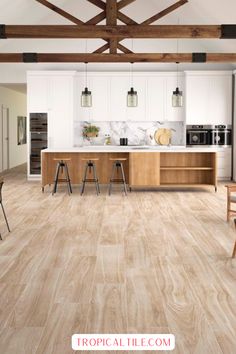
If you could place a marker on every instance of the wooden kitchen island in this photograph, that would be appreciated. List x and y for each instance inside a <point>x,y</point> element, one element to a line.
<point>147,168</point>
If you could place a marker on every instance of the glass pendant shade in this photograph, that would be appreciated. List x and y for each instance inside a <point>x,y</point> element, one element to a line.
<point>177,98</point>
<point>86,98</point>
<point>132,98</point>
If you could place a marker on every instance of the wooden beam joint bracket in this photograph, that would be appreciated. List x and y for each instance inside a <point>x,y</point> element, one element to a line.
<point>199,58</point>
<point>30,57</point>
<point>228,31</point>
<point>3,32</point>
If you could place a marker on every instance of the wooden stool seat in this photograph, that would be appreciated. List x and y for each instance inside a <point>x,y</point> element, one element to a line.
<point>118,159</point>
<point>61,165</point>
<point>58,159</point>
<point>95,159</point>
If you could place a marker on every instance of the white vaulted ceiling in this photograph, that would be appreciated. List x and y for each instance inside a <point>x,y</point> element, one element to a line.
<point>194,12</point>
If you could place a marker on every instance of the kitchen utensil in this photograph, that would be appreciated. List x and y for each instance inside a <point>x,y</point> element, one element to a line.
<point>124,141</point>
<point>162,136</point>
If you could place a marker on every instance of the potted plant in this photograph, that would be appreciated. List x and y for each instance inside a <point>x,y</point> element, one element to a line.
<point>90,131</point>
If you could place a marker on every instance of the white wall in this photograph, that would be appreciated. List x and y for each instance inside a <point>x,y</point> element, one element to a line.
<point>16,102</point>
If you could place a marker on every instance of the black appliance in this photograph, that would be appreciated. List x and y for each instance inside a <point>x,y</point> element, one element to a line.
<point>38,140</point>
<point>198,135</point>
<point>220,135</point>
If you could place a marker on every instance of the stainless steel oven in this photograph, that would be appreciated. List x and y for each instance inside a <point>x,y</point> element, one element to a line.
<point>221,135</point>
<point>198,135</point>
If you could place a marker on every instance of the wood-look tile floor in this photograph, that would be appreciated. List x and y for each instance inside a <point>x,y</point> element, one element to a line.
<point>152,262</point>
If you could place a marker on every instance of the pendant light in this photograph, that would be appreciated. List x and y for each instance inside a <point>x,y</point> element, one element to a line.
<point>132,96</point>
<point>86,95</point>
<point>177,95</point>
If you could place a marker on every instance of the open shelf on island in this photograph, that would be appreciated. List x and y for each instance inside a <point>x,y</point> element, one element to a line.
<point>177,168</point>
<point>187,169</point>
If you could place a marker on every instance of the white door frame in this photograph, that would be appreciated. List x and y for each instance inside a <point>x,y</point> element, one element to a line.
<point>4,114</point>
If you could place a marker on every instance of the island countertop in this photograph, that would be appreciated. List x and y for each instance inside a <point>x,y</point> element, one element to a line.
<point>129,149</point>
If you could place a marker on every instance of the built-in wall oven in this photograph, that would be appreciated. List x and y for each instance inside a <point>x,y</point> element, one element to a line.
<point>197,135</point>
<point>216,135</point>
<point>220,135</point>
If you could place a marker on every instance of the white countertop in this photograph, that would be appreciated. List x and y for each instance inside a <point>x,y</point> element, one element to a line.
<point>145,148</point>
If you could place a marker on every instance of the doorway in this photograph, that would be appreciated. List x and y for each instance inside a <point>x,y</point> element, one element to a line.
<point>4,138</point>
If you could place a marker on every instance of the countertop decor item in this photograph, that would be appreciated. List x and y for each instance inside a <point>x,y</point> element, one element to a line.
<point>90,131</point>
<point>162,136</point>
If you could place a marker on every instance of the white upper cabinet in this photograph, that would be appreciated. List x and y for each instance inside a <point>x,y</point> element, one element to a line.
<point>100,87</point>
<point>61,92</point>
<point>156,98</point>
<point>138,113</point>
<point>109,97</point>
<point>160,89</point>
<point>120,84</point>
<point>38,88</point>
<point>221,99</point>
<point>53,92</point>
<point>209,98</point>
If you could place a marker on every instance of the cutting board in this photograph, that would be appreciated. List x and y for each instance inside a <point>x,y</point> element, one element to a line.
<point>162,136</point>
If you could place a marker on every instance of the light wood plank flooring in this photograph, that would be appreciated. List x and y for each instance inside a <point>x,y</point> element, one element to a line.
<point>152,262</point>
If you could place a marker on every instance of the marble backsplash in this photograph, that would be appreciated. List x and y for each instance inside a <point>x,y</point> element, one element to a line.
<point>138,133</point>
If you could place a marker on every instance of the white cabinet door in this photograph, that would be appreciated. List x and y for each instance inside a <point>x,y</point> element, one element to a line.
<point>38,93</point>
<point>60,129</point>
<point>209,99</point>
<point>100,87</point>
<point>138,113</point>
<point>156,98</point>
<point>118,105</point>
<point>197,100</point>
<point>174,114</point>
<point>224,160</point>
<point>61,92</point>
<point>221,99</point>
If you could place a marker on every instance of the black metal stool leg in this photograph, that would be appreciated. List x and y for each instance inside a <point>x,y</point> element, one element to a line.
<point>123,178</point>
<point>84,179</point>
<point>111,179</point>
<point>56,179</point>
<point>95,179</point>
<point>5,217</point>
<point>68,179</point>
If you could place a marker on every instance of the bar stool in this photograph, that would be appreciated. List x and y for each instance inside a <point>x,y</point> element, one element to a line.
<point>61,166</point>
<point>4,214</point>
<point>90,168</point>
<point>117,164</point>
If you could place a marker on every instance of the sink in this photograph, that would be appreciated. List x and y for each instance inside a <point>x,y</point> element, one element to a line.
<point>141,147</point>
<point>157,147</point>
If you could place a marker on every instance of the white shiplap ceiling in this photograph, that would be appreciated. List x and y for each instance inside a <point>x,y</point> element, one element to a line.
<point>194,12</point>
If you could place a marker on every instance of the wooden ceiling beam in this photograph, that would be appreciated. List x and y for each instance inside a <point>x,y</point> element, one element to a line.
<point>124,49</point>
<point>96,19</point>
<point>164,12</point>
<point>99,3</point>
<point>124,3</point>
<point>102,48</point>
<point>125,19</point>
<point>60,12</point>
<point>111,19</point>
<point>115,58</point>
<point>113,32</point>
